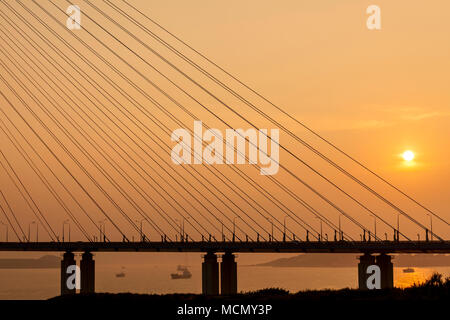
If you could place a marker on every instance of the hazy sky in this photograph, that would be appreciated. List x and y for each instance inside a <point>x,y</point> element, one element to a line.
<point>375,93</point>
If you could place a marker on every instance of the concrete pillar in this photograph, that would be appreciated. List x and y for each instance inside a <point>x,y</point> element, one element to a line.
<point>87,268</point>
<point>386,269</point>
<point>210,274</point>
<point>68,260</point>
<point>228,274</point>
<point>364,262</point>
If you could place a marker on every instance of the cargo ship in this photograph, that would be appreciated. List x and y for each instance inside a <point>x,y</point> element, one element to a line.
<point>183,273</point>
<point>121,274</point>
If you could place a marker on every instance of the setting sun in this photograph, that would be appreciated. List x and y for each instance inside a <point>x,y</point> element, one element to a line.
<point>408,155</point>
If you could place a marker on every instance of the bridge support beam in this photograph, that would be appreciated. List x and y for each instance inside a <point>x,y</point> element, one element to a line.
<point>68,260</point>
<point>386,269</point>
<point>228,274</point>
<point>87,268</point>
<point>364,262</point>
<point>210,274</point>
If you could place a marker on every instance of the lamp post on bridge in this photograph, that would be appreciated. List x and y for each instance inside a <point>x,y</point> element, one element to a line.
<point>320,220</point>
<point>284,227</point>
<point>140,229</point>
<point>321,230</point>
<point>6,226</point>
<point>180,226</point>
<point>29,231</point>
<point>374,226</point>
<point>340,231</point>
<point>184,235</point>
<point>271,233</point>
<point>234,227</point>
<point>63,229</point>
<point>431,226</point>
<point>102,230</point>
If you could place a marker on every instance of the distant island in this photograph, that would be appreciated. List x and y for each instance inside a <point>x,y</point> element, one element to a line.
<point>44,262</point>
<point>339,260</point>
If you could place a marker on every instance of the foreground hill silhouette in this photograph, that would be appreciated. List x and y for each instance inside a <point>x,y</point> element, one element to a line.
<point>431,296</point>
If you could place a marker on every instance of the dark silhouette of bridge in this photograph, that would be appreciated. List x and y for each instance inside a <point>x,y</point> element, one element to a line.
<point>88,115</point>
<point>409,247</point>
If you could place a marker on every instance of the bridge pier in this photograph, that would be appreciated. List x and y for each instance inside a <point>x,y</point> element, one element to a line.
<point>210,274</point>
<point>68,260</point>
<point>87,268</point>
<point>228,274</point>
<point>386,269</point>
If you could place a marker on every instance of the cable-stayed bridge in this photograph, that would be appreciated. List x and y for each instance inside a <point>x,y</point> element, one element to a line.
<point>88,124</point>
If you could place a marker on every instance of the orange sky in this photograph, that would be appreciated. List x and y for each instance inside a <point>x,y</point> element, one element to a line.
<point>373,93</point>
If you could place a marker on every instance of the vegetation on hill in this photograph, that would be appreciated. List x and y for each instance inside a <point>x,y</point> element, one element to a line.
<point>431,295</point>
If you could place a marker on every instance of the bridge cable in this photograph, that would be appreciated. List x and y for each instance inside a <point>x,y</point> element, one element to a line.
<point>47,12</point>
<point>41,176</point>
<point>267,117</point>
<point>184,91</point>
<point>41,22</point>
<point>45,110</point>
<point>53,153</point>
<point>181,55</point>
<point>99,147</point>
<point>101,12</point>
<point>109,178</point>
<point>35,209</point>
<point>66,87</point>
<point>215,97</point>
<point>46,164</point>
<point>284,112</point>
<point>14,216</point>
<point>119,127</point>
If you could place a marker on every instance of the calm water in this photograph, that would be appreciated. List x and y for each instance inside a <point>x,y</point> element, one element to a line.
<point>155,278</point>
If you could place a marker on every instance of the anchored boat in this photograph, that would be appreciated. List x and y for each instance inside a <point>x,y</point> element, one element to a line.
<point>183,273</point>
<point>121,274</point>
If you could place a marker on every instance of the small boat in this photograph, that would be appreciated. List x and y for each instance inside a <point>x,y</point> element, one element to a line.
<point>183,273</point>
<point>408,270</point>
<point>121,274</point>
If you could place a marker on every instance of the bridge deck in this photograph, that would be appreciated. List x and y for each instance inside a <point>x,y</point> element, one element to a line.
<point>243,247</point>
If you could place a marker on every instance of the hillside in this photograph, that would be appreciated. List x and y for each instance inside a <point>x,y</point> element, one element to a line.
<point>335,260</point>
